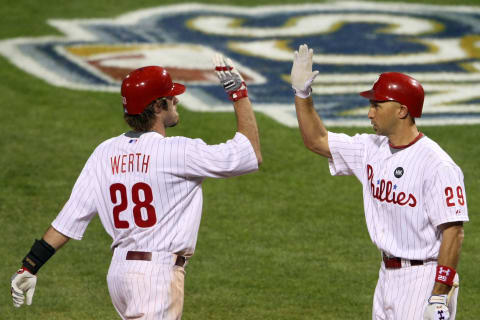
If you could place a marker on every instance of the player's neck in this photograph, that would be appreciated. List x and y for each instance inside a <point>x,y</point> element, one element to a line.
<point>159,127</point>
<point>404,137</point>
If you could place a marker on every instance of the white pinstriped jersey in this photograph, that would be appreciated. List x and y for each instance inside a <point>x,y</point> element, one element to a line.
<point>407,193</point>
<point>147,189</point>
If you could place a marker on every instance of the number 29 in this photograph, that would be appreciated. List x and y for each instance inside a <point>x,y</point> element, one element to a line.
<point>450,196</point>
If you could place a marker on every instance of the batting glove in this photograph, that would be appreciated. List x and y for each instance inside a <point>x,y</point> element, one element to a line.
<point>302,75</point>
<point>23,285</point>
<point>230,78</point>
<point>436,308</point>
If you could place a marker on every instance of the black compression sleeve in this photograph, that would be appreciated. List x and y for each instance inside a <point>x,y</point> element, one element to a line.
<point>40,252</point>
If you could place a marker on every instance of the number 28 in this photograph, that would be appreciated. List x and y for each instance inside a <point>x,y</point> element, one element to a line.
<point>122,205</point>
<point>450,196</point>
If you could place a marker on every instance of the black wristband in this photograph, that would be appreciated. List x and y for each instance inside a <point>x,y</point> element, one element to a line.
<point>40,252</point>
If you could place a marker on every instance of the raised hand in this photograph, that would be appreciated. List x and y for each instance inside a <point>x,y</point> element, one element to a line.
<point>230,78</point>
<point>302,75</point>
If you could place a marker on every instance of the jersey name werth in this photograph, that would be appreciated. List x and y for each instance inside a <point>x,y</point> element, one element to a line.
<point>129,163</point>
<point>385,190</point>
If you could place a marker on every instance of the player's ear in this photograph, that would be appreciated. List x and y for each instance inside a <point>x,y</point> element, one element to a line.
<point>160,104</point>
<point>164,103</point>
<point>403,111</point>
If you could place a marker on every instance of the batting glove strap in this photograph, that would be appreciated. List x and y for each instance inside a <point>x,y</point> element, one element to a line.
<point>40,252</point>
<point>440,298</point>
<point>238,94</point>
<point>302,93</point>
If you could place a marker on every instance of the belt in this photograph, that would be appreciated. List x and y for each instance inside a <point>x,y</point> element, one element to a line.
<point>397,263</point>
<point>147,256</point>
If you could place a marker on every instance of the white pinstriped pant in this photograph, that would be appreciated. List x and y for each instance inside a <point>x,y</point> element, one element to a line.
<point>146,290</point>
<point>402,294</point>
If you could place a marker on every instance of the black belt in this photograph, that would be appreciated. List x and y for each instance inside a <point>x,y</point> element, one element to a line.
<point>396,263</point>
<point>147,256</point>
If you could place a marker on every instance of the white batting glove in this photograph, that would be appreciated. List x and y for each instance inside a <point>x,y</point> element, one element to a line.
<point>436,308</point>
<point>23,285</point>
<point>231,80</point>
<point>302,75</point>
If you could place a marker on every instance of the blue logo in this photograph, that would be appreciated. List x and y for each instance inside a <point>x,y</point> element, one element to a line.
<point>353,43</point>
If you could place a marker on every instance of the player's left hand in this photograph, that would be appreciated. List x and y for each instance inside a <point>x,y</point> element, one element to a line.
<point>230,78</point>
<point>302,74</point>
<point>436,308</point>
<point>23,285</point>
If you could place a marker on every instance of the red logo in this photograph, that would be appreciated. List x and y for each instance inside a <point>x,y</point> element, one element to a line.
<point>385,191</point>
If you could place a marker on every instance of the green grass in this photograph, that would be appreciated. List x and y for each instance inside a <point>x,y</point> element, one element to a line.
<point>288,242</point>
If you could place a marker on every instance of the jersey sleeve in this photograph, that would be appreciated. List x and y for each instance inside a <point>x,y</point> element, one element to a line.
<point>232,158</point>
<point>348,154</point>
<point>445,196</point>
<point>80,208</point>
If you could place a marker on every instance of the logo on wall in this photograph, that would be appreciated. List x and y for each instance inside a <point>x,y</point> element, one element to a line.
<point>353,43</point>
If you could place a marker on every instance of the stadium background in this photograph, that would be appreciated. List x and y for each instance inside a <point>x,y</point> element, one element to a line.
<point>289,242</point>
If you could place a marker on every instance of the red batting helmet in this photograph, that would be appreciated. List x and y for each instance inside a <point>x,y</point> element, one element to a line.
<point>144,85</point>
<point>395,86</point>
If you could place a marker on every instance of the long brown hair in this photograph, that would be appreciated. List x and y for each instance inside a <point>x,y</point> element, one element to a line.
<point>144,121</point>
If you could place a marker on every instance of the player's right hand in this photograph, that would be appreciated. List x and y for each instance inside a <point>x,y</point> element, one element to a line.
<point>231,80</point>
<point>302,75</point>
<point>23,285</point>
<point>436,308</point>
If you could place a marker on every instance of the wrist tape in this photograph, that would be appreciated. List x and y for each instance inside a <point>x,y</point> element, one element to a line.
<point>445,275</point>
<point>40,252</point>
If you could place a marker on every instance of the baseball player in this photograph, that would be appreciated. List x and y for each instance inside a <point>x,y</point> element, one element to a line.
<point>147,190</point>
<point>414,195</point>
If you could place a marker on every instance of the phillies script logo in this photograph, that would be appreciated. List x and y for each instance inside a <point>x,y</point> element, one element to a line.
<point>386,191</point>
<point>353,43</point>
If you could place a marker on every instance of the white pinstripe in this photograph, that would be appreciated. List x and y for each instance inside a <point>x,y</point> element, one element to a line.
<point>402,212</point>
<point>173,169</point>
<point>146,289</point>
<point>401,294</point>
